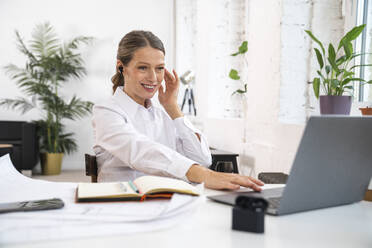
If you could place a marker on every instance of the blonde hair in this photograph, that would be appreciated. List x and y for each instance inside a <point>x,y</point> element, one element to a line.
<point>128,45</point>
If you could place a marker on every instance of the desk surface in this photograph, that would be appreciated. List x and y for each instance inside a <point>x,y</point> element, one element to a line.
<point>344,226</point>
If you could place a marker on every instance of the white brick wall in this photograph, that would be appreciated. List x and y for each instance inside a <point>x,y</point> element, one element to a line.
<point>296,17</point>
<point>280,62</point>
<point>225,30</point>
<point>298,62</point>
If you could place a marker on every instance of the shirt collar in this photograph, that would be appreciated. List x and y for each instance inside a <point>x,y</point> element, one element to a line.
<point>130,106</point>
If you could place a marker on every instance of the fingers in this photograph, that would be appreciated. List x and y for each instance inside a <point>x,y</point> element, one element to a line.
<point>256,188</point>
<point>247,182</point>
<point>168,76</point>
<point>171,78</point>
<point>256,181</point>
<point>221,180</point>
<point>176,75</point>
<point>161,90</point>
<point>232,186</point>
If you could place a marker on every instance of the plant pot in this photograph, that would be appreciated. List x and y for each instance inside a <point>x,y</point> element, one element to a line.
<point>366,111</point>
<point>368,195</point>
<point>335,105</point>
<point>51,163</point>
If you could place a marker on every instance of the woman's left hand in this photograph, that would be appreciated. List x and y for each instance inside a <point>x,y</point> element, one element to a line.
<point>168,98</point>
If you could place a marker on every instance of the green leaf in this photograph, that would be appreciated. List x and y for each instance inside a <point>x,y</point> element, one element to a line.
<point>358,54</point>
<point>243,48</point>
<point>327,69</point>
<point>347,74</point>
<point>340,60</point>
<point>351,35</point>
<point>347,48</point>
<point>356,79</point>
<point>332,57</point>
<point>315,39</point>
<point>326,85</point>
<point>234,74</point>
<point>331,52</point>
<point>20,104</point>
<point>45,42</point>
<point>23,48</point>
<point>316,86</point>
<point>319,57</point>
<point>359,66</point>
<point>240,91</point>
<point>320,74</point>
<point>354,33</point>
<point>335,83</point>
<point>346,81</point>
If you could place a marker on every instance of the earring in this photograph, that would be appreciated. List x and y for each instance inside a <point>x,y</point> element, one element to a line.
<point>121,69</point>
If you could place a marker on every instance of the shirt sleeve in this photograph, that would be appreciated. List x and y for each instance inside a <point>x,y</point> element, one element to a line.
<point>188,143</point>
<point>117,136</point>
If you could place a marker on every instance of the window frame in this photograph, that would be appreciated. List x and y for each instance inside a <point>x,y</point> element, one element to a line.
<point>362,18</point>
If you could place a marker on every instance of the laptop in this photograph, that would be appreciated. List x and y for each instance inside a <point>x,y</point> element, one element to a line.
<point>332,167</point>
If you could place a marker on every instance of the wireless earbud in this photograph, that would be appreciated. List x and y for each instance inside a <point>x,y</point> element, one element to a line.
<point>251,203</point>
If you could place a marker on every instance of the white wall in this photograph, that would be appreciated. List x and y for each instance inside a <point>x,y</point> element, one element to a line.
<point>107,21</point>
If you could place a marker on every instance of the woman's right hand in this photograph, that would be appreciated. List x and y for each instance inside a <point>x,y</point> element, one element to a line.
<point>221,180</point>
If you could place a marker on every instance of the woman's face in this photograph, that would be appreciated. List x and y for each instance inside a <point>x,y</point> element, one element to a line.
<point>144,74</point>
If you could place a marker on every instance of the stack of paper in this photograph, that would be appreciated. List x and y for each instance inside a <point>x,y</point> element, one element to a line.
<point>80,219</point>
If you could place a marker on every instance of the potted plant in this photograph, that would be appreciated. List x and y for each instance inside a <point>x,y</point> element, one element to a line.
<point>335,73</point>
<point>366,111</point>
<point>50,63</point>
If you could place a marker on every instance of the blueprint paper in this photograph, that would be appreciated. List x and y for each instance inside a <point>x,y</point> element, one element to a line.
<point>80,219</point>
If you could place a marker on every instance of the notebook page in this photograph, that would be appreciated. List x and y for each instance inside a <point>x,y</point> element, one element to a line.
<point>148,183</point>
<point>104,189</point>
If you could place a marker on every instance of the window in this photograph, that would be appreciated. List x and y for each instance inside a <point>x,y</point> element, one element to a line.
<point>364,45</point>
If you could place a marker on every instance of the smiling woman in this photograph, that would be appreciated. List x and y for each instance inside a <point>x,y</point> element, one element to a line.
<point>133,137</point>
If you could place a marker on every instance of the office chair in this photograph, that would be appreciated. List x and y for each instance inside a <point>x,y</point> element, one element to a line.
<point>273,177</point>
<point>91,167</point>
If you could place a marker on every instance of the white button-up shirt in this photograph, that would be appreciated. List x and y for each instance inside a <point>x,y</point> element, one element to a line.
<point>131,141</point>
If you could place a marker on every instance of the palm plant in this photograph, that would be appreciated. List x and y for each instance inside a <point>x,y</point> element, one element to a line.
<point>50,63</point>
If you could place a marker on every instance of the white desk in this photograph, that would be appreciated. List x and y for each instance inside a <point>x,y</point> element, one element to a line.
<point>344,226</point>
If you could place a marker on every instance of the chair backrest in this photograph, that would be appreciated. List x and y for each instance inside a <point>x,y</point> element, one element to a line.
<point>91,167</point>
<point>23,138</point>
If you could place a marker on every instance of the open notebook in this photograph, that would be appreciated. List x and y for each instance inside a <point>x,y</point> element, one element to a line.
<point>138,190</point>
